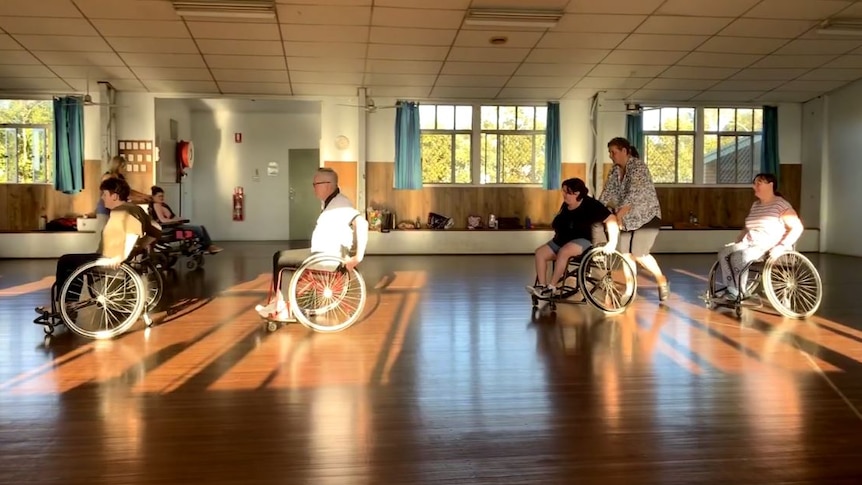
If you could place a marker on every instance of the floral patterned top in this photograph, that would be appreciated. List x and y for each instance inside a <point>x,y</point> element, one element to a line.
<point>635,189</point>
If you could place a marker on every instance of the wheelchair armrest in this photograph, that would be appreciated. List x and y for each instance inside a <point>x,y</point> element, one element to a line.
<point>174,224</point>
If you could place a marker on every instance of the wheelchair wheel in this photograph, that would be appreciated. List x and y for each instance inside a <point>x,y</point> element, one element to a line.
<point>154,283</point>
<point>607,281</point>
<point>101,303</point>
<point>324,296</point>
<point>792,285</point>
<point>715,289</point>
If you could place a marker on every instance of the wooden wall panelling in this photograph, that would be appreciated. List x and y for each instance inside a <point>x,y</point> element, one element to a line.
<point>459,202</point>
<point>721,206</point>
<point>714,206</point>
<point>24,204</point>
<point>347,179</point>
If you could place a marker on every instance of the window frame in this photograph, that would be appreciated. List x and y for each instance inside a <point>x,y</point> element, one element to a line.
<point>699,134</point>
<point>476,142</point>
<point>49,169</point>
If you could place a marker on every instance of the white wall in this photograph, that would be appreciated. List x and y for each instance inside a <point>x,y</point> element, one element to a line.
<point>340,120</point>
<point>812,143</point>
<point>841,171</point>
<point>136,116</point>
<point>92,132</point>
<point>221,164</point>
<point>178,196</point>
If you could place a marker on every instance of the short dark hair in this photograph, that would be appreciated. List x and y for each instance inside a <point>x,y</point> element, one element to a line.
<point>770,179</point>
<point>156,190</point>
<point>117,186</point>
<point>573,185</point>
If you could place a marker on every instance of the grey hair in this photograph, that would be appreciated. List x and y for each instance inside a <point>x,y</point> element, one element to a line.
<point>330,173</point>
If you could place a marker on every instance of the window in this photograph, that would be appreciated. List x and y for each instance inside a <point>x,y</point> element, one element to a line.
<point>709,145</point>
<point>513,144</point>
<point>446,146</point>
<point>731,144</point>
<point>25,131</point>
<point>506,146</point>
<point>669,144</point>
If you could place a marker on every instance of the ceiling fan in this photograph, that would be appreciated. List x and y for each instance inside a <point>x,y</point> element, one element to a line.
<point>370,107</point>
<point>87,99</point>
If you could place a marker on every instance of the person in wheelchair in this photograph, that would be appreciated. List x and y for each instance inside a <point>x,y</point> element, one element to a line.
<point>573,235</point>
<point>163,213</point>
<point>338,226</point>
<point>126,227</point>
<point>772,226</point>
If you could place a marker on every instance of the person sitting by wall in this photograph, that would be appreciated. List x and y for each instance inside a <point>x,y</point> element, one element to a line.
<point>165,215</point>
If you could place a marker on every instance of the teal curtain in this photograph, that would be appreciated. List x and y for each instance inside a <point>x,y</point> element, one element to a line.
<point>408,153</point>
<point>68,145</point>
<point>635,132</point>
<point>553,149</point>
<point>769,160</point>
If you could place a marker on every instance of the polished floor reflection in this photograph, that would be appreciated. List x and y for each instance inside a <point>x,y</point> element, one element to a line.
<point>448,378</point>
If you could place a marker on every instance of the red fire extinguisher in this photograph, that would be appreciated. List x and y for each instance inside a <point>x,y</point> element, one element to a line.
<point>238,209</point>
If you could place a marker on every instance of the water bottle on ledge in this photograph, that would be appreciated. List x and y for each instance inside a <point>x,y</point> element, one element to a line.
<point>692,219</point>
<point>528,224</point>
<point>492,221</point>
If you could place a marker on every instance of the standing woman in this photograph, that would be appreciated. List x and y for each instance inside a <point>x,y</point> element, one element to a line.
<point>630,192</point>
<point>115,170</point>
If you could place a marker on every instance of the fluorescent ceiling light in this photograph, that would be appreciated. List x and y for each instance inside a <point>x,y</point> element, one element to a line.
<point>249,9</point>
<point>513,18</point>
<point>852,27</point>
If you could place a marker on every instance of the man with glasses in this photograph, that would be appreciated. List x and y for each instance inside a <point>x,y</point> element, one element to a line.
<point>339,222</point>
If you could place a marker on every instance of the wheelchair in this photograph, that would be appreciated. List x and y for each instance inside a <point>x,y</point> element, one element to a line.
<point>176,242</point>
<point>788,281</point>
<point>324,296</point>
<point>98,302</point>
<point>605,281</point>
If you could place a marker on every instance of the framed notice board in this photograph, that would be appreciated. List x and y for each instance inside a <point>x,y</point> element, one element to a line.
<point>138,155</point>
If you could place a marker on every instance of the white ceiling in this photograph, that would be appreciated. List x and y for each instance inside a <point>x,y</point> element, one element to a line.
<point>643,50</point>
<point>249,105</point>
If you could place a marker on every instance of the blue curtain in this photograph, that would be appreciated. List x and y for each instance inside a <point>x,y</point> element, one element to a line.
<point>408,154</point>
<point>553,149</point>
<point>68,145</point>
<point>769,146</point>
<point>635,132</point>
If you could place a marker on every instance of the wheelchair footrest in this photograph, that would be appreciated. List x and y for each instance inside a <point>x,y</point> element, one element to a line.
<point>46,318</point>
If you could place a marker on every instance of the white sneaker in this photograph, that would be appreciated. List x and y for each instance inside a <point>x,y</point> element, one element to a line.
<point>275,310</point>
<point>542,291</point>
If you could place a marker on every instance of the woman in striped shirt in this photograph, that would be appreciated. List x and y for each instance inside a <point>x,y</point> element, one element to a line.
<point>771,225</point>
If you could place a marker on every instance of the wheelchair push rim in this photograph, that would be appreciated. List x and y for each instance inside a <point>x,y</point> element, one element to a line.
<point>608,281</point>
<point>109,302</point>
<point>792,285</point>
<point>325,296</point>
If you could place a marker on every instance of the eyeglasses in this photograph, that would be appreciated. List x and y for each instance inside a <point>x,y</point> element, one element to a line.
<point>319,183</point>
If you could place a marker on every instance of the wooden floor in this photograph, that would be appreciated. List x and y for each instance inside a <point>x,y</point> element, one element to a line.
<point>447,380</point>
